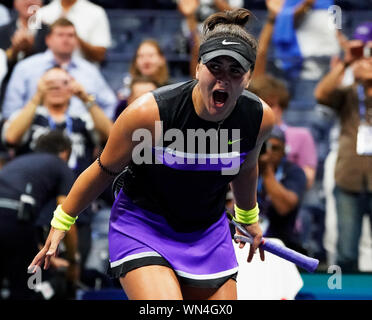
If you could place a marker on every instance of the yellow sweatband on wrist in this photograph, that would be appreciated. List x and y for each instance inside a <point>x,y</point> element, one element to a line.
<point>61,220</point>
<point>246,216</point>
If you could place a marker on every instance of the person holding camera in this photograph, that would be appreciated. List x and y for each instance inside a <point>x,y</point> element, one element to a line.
<point>281,186</point>
<point>27,185</point>
<point>48,110</point>
<point>353,171</point>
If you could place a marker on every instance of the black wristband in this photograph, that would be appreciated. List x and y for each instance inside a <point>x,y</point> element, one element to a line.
<point>104,169</point>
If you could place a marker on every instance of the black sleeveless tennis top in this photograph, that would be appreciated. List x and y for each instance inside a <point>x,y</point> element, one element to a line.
<point>190,169</point>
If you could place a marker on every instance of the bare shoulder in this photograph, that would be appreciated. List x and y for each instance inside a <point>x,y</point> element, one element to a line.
<point>142,113</point>
<point>268,121</point>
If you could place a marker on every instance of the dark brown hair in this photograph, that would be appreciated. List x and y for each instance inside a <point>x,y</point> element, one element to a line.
<point>61,22</point>
<point>266,86</point>
<point>53,142</point>
<point>162,76</point>
<point>143,79</point>
<point>229,23</point>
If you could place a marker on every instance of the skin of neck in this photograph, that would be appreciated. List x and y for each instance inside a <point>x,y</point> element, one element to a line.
<point>67,4</point>
<point>62,59</point>
<point>23,21</point>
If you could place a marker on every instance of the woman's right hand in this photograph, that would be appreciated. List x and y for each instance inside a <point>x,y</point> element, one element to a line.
<point>48,251</point>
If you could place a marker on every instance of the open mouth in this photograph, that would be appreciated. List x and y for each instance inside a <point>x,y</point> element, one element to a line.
<point>219,98</point>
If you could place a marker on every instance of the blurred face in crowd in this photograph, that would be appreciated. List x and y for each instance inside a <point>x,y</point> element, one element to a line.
<point>58,89</point>
<point>149,60</point>
<point>275,149</point>
<point>23,7</point>
<point>221,82</point>
<point>62,40</point>
<point>139,89</point>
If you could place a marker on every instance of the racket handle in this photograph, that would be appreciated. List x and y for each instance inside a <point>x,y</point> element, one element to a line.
<point>305,262</point>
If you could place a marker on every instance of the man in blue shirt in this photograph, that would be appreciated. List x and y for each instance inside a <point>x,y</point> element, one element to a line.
<point>281,186</point>
<point>61,42</point>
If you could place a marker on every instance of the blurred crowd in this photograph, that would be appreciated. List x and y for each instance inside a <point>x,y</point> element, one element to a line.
<point>58,105</point>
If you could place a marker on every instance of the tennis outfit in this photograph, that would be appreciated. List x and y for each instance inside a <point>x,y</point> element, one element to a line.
<point>171,212</point>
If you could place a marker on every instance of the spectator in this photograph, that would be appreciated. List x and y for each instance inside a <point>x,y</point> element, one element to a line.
<point>61,42</point>
<point>346,78</point>
<point>138,86</point>
<point>281,186</point>
<point>4,15</point>
<point>353,171</point>
<point>27,184</point>
<point>91,23</point>
<point>195,12</point>
<point>47,110</point>
<point>149,61</point>
<point>300,144</point>
<point>302,38</point>
<point>20,38</point>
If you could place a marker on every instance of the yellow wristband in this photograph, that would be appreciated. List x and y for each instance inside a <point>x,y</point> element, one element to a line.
<point>61,220</point>
<point>246,216</point>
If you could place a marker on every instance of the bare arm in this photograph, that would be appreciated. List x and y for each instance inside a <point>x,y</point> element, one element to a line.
<point>222,5</point>
<point>17,127</point>
<point>329,83</point>
<point>92,53</point>
<point>188,9</point>
<point>101,122</point>
<point>310,173</point>
<point>302,9</point>
<point>274,7</point>
<point>116,155</point>
<point>93,181</point>
<point>244,186</point>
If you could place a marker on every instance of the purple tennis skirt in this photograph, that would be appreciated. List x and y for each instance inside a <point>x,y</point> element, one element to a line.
<point>137,238</point>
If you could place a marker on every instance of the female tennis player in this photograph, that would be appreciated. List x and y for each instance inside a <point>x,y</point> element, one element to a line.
<point>169,236</point>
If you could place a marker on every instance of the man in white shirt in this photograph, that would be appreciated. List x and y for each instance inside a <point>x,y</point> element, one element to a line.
<point>91,23</point>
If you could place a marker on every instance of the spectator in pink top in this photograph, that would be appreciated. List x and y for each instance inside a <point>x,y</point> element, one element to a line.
<point>300,145</point>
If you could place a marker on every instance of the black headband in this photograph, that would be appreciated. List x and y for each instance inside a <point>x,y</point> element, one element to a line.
<point>233,47</point>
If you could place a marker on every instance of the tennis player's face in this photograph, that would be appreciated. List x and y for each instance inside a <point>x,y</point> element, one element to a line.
<point>221,81</point>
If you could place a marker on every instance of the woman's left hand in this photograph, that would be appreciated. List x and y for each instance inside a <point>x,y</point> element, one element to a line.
<point>255,231</point>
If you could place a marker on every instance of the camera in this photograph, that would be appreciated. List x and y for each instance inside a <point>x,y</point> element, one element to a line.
<point>26,207</point>
<point>361,51</point>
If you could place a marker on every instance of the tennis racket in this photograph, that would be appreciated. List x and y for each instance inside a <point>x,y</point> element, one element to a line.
<point>301,260</point>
